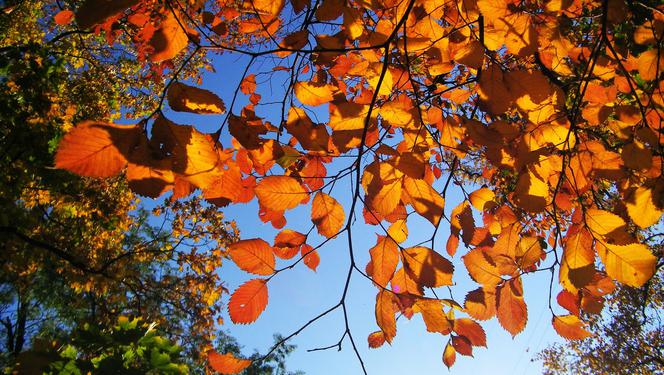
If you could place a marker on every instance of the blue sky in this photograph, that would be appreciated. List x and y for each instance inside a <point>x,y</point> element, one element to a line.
<point>297,295</point>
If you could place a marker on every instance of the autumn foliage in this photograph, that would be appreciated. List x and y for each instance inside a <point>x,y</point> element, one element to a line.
<point>545,117</point>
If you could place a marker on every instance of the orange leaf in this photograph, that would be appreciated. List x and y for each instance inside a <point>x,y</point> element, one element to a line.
<point>432,313</point>
<point>424,199</point>
<point>385,314</point>
<point>96,149</point>
<point>471,330</point>
<point>427,267</point>
<point>253,255</point>
<point>327,214</point>
<point>650,64</point>
<point>227,363</point>
<point>512,311</point>
<point>169,39</point>
<point>570,327</point>
<point>311,257</point>
<point>481,303</point>
<point>280,193</point>
<point>376,339</point>
<point>312,137</point>
<point>193,153</point>
<point>310,93</point>
<point>248,301</point>
<point>248,84</point>
<point>185,98</point>
<point>481,267</point>
<point>578,249</point>
<point>287,243</point>
<point>64,17</point>
<point>402,283</point>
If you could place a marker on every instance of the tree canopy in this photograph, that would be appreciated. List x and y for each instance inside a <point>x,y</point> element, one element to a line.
<point>546,118</point>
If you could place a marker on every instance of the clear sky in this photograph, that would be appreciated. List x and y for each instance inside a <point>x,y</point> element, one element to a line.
<point>297,295</point>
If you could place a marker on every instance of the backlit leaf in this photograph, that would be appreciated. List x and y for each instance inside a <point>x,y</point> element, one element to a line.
<point>309,93</point>
<point>227,363</point>
<point>168,40</point>
<point>385,314</point>
<point>570,327</point>
<point>424,199</point>
<point>96,149</point>
<point>376,339</point>
<point>254,256</point>
<point>449,355</point>
<point>432,313</point>
<point>384,258</point>
<point>327,214</point>
<point>471,330</point>
<point>481,303</point>
<point>631,264</point>
<point>511,308</point>
<point>248,301</point>
<point>280,193</point>
<point>311,257</point>
<point>427,267</point>
<point>185,98</point>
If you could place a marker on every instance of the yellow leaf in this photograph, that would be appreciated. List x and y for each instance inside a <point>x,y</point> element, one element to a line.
<point>641,207</point>
<point>280,193</point>
<point>631,264</point>
<point>327,214</point>
<point>482,199</point>
<point>578,249</point>
<point>383,186</point>
<point>570,327</point>
<point>603,222</point>
<point>310,93</point>
<point>185,98</point>
<point>398,231</point>
<point>531,193</point>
